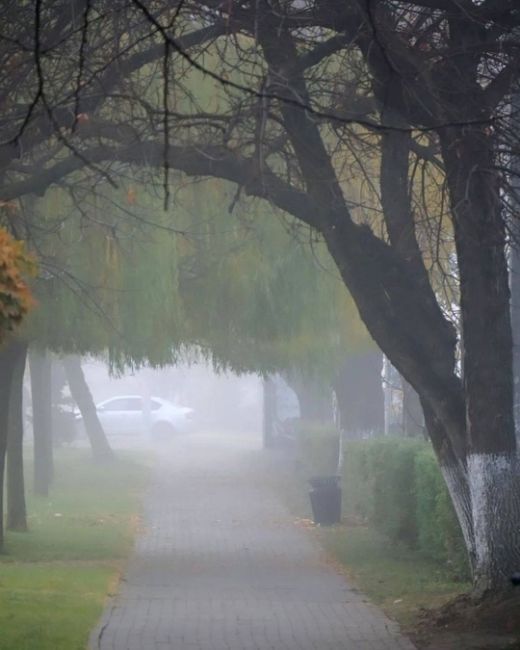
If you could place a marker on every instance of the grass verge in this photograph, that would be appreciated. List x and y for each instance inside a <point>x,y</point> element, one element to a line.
<point>400,581</point>
<point>55,578</point>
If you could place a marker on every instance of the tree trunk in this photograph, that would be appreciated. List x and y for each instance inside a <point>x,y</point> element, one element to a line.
<point>492,462</point>
<point>9,353</point>
<point>392,386</point>
<point>413,417</point>
<point>81,394</point>
<point>393,293</point>
<point>16,508</point>
<point>40,366</point>
<point>494,482</point>
<point>359,391</point>
<point>314,398</point>
<point>455,474</point>
<point>476,416</point>
<point>269,413</point>
<point>514,265</point>
<point>515,321</point>
<point>60,431</point>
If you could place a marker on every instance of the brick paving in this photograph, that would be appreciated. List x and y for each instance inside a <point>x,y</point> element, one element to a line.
<point>221,565</point>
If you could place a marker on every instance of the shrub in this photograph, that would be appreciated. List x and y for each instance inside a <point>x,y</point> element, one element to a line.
<point>439,533</point>
<point>395,486</point>
<point>358,491</point>
<point>379,479</point>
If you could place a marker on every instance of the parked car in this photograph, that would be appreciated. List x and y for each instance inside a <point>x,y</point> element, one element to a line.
<point>131,414</point>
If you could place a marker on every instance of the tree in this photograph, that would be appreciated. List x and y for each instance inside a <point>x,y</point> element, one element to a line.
<point>314,397</point>
<point>16,508</point>
<point>41,368</point>
<point>155,291</point>
<point>413,417</point>
<point>15,302</point>
<point>417,84</point>
<point>10,354</point>
<point>81,393</point>
<point>438,54</point>
<point>359,391</point>
<point>269,413</point>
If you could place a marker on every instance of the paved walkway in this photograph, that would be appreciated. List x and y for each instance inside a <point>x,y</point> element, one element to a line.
<point>222,566</point>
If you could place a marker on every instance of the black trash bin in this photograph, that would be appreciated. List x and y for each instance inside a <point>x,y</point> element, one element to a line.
<point>325,495</point>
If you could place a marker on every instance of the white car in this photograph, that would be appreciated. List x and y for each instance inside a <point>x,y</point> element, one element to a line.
<point>131,414</point>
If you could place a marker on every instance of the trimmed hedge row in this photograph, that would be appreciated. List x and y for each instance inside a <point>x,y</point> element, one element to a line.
<point>395,486</point>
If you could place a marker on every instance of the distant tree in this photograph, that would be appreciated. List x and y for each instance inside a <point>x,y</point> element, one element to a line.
<point>10,358</point>
<point>41,377</point>
<point>16,507</point>
<point>15,302</point>
<point>80,391</point>
<point>314,397</point>
<point>359,391</point>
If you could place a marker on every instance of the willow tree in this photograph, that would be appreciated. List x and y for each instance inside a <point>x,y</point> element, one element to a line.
<point>103,289</point>
<point>260,296</point>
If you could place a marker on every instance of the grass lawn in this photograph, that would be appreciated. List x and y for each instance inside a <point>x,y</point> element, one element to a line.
<point>54,579</point>
<point>400,581</point>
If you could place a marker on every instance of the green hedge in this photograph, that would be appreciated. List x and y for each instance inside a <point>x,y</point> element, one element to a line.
<point>395,486</point>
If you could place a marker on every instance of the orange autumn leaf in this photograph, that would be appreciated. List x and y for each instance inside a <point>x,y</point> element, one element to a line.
<point>15,295</point>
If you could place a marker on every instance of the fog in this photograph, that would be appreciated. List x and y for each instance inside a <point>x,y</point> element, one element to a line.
<point>324,196</point>
<point>221,401</point>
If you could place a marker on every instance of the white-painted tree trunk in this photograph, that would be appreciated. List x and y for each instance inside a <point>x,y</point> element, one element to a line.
<point>494,485</point>
<point>486,499</point>
<point>456,480</point>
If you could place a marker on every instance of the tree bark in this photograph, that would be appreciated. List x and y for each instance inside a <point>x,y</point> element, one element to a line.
<point>455,473</point>
<point>514,262</point>
<point>413,417</point>
<point>81,394</point>
<point>359,391</point>
<point>40,366</point>
<point>492,461</point>
<point>392,381</point>
<point>9,353</point>
<point>16,507</point>
<point>494,483</point>
<point>515,321</point>
<point>485,296</point>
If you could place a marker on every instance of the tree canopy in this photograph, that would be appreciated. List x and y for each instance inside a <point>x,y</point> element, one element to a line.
<point>120,275</point>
